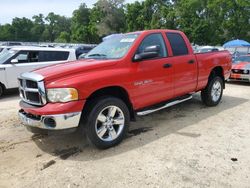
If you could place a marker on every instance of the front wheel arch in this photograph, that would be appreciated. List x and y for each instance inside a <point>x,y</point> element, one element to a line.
<point>112,91</point>
<point>2,89</point>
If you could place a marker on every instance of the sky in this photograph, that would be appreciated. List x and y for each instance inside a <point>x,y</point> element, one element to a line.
<point>10,9</point>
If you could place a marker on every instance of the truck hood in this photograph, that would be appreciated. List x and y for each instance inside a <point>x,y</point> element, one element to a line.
<point>241,65</point>
<point>73,67</point>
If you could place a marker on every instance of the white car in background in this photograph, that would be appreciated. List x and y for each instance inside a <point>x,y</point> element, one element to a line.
<point>22,59</point>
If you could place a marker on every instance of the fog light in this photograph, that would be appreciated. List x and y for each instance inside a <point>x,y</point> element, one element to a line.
<point>49,122</point>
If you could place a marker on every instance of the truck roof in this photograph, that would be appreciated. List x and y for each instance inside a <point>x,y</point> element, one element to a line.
<point>154,30</point>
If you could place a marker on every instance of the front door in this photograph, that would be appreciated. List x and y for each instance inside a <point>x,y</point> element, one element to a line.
<point>152,78</point>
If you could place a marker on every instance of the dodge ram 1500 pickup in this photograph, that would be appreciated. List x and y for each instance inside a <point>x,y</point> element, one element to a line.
<point>131,75</point>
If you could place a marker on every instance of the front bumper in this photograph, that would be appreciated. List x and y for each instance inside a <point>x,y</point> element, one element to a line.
<point>50,122</point>
<point>239,77</point>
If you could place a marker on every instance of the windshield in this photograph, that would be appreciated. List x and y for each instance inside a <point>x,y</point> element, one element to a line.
<point>242,59</point>
<point>113,48</point>
<point>6,54</point>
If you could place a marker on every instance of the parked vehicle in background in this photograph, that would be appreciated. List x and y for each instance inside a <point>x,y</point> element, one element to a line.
<point>82,56</point>
<point>12,44</point>
<point>4,48</point>
<point>84,49</point>
<point>17,60</point>
<point>134,74</point>
<point>207,49</point>
<point>238,51</point>
<point>241,69</point>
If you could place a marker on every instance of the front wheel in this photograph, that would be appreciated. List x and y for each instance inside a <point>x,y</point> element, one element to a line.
<point>107,122</point>
<point>1,90</point>
<point>211,95</point>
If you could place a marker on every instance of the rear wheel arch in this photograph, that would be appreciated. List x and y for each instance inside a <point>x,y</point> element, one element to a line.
<point>113,91</point>
<point>217,71</point>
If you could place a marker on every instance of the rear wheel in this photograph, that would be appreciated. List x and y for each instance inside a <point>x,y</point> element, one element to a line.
<point>106,122</point>
<point>211,95</point>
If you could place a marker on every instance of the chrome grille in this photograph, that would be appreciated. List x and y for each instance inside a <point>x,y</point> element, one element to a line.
<point>32,89</point>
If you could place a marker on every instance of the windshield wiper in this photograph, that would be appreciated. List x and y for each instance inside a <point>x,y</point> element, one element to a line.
<point>98,55</point>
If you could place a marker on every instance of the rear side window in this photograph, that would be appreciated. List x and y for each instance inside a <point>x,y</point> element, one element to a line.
<point>53,56</point>
<point>177,43</point>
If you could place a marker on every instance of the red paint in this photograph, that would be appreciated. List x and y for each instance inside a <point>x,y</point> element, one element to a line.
<point>235,76</point>
<point>87,76</point>
<point>240,65</point>
<point>55,108</point>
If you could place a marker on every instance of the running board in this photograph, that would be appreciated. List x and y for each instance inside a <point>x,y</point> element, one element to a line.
<point>143,113</point>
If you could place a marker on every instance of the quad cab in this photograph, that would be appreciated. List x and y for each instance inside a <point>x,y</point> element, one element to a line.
<point>133,74</point>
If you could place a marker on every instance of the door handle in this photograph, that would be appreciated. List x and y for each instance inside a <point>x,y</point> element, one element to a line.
<point>167,65</point>
<point>191,61</point>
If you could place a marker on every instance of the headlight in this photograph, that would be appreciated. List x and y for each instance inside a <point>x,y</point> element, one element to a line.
<point>62,94</point>
<point>245,71</point>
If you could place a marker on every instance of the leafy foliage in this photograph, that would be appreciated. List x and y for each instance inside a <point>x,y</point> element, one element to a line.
<point>205,22</point>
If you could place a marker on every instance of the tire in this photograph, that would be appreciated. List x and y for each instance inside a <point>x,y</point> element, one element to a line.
<point>1,90</point>
<point>211,95</point>
<point>110,117</point>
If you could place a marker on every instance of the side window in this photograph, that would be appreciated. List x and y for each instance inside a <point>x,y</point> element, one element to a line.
<point>27,57</point>
<point>152,40</point>
<point>33,56</point>
<point>22,57</point>
<point>178,44</point>
<point>53,56</point>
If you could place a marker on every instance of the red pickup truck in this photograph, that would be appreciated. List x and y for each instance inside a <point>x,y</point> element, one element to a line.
<point>132,74</point>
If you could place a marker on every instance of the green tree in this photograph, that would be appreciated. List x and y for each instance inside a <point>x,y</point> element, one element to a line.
<point>80,24</point>
<point>64,37</point>
<point>21,29</point>
<point>56,25</point>
<point>134,17</point>
<point>205,22</point>
<point>110,17</point>
<point>38,27</point>
<point>232,18</point>
<point>5,32</point>
<point>150,14</point>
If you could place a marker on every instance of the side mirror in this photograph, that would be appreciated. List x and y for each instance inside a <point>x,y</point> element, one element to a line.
<point>13,61</point>
<point>148,53</point>
<point>155,48</point>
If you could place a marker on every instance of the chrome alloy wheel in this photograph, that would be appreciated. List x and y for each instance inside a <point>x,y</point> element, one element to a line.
<point>216,91</point>
<point>109,123</point>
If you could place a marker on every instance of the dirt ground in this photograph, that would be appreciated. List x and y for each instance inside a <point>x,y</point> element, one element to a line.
<point>187,145</point>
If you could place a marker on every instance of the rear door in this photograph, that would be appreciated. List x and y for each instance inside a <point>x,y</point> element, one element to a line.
<point>184,65</point>
<point>152,78</point>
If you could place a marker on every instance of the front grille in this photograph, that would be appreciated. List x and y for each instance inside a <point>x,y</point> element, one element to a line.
<point>240,71</point>
<point>31,84</point>
<point>32,96</point>
<point>32,92</point>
